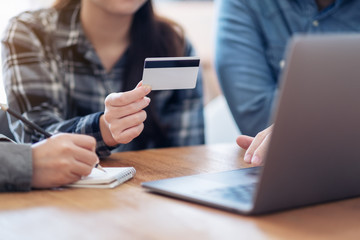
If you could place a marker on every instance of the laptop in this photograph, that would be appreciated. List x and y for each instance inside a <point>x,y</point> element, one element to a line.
<point>314,151</point>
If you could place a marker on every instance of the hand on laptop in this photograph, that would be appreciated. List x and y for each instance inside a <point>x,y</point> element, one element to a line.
<point>255,146</point>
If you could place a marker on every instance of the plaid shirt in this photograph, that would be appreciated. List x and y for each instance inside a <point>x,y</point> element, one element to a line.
<point>54,77</point>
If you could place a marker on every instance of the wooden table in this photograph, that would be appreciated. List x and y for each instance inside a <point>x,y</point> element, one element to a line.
<point>130,212</point>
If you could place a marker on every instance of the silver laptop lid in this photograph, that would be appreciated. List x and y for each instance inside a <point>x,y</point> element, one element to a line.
<point>314,153</point>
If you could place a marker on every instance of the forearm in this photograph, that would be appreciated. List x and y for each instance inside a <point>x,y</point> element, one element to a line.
<point>106,133</point>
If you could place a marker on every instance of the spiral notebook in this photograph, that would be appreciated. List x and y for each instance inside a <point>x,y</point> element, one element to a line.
<point>113,177</point>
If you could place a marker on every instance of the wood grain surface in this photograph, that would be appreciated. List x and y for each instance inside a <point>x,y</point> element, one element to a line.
<point>130,212</point>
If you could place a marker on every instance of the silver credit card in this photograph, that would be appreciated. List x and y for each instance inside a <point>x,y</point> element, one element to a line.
<point>169,73</point>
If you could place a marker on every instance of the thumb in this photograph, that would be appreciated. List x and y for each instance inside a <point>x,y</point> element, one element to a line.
<point>139,84</point>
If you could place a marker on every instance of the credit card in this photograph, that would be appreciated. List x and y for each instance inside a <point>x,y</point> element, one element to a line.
<point>169,73</point>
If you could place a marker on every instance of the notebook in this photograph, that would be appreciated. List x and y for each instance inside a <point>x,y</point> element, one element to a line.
<point>313,156</point>
<point>113,177</point>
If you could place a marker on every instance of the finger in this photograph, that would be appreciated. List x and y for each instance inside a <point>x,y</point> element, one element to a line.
<point>81,169</point>
<point>257,141</point>
<point>136,107</point>
<point>259,154</point>
<point>120,112</point>
<point>84,141</point>
<point>72,178</point>
<point>253,146</point>
<point>139,84</point>
<point>80,140</point>
<point>244,141</point>
<point>118,127</point>
<point>63,179</point>
<point>129,134</point>
<point>87,157</point>
<point>125,98</point>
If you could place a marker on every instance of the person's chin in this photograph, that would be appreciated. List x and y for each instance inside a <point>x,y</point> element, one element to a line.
<point>124,9</point>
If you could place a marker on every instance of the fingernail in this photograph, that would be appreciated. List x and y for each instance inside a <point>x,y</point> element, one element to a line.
<point>247,158</point>
<point>147,99</point>
<point>147,88</point>
<point>255,160</point>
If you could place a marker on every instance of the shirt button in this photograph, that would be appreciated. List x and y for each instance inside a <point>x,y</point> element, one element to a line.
<point>315,23</point>
<point>282,64</point>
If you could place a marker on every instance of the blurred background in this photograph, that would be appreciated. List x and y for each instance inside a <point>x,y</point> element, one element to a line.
<point>198,20</point>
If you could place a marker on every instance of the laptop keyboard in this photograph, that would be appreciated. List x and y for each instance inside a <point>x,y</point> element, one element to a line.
<point>238,193</point>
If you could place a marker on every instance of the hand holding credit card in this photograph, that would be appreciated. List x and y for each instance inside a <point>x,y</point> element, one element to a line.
<point>170,73</point>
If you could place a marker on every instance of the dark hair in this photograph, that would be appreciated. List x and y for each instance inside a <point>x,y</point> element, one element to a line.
<point>150,36</point>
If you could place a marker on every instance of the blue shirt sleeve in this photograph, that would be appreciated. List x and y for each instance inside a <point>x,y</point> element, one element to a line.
<point>242,67</point>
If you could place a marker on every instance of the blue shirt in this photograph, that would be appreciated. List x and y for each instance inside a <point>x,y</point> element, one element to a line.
<point>250,45</point>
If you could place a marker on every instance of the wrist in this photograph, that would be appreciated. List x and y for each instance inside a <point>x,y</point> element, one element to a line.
<point>106,133</point>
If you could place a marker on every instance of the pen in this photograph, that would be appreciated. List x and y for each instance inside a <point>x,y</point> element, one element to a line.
<point>98,166</point>
<point>33,126</point>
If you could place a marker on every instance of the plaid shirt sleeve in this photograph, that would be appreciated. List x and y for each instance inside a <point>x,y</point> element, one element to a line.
<point>186,117</point>
<point>35,87</point>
